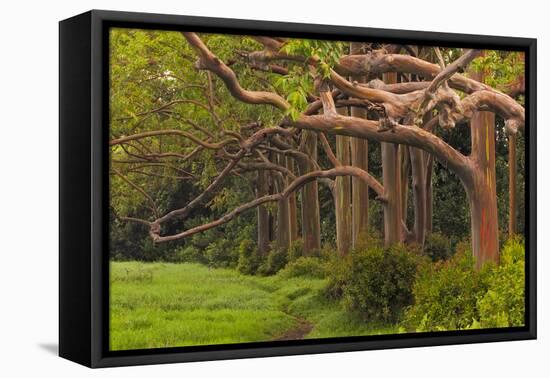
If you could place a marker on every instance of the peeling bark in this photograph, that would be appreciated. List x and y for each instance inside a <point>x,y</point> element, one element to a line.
<point>482,190</point>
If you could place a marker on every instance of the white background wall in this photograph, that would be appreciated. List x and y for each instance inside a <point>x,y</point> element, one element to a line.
<point>29,187</point>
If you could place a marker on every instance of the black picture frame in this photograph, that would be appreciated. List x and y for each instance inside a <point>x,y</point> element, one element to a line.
<point>83,196</point>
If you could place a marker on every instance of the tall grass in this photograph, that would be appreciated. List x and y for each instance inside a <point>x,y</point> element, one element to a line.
<point>155,305</point>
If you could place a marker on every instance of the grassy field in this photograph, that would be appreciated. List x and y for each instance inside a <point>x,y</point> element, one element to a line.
<point>156,305</point>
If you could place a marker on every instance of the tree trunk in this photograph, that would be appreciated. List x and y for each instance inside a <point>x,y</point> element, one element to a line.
<point>483,210</point>
<point>512,185</point>
<point>391,174</point>
<point>262,214</point>
<point>360,191</point>
<point>292,209</point>
<point>405,164</point>
<point>311,223</point>
<point>283,210</point>
<point>342,196</point>
<point>429,193</point>
<point>359,159</point>
<point>482,191</point>
<point>418,170</point>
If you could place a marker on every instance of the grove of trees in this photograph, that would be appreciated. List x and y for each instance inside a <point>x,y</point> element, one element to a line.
<point>277,140</point>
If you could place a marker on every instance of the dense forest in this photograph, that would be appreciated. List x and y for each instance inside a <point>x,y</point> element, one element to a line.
<point>377,185</point>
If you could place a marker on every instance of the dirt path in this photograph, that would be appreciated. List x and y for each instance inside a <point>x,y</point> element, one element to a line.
<point>302,328</point>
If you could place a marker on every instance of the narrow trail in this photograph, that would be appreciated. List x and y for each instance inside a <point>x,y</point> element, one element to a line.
<point>298,332</point>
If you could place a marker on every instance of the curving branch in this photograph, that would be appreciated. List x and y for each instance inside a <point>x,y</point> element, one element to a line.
<point>379,62</point>
<point>211,62</point>
<point>153,207</point>
<point>246,146</point>
<point>294,186</point>
<point>147,134</point>
<point>408,135</point>
<point>444,75</point>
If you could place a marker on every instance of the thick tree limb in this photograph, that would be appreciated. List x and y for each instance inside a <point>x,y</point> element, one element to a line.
<point>409,135</point>
<point>445,74</point>
<point>211,62</point>
<point>378,62</point>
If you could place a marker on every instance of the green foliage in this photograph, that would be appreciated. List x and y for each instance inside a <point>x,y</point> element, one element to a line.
<point>453,295</point>
<point>327,53</point>
<point>304,267</point>
<point>190,254</point>
<point>296,250</point>
<point>503,305</point>
<point>438,247</point>
<point>298,83</point>
<point>276,260</point>
<point>445,295</point>
<point>248,257</point>
<point>221,254</point>
<point>377,282</point>
<point>501,67</point>
<point>338,274</point>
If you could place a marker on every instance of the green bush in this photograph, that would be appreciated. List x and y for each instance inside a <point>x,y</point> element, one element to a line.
<point>188,254</point>
<point>453,295</point>
<point>438,247</point>
<point>248,257</point>
<point>296,250</point>
<point>275,261</point>
<point>311,267</point>
<point>503,305</point>
<point>446,293</point>
<point>378,282</point>
<point>337,268</point>
<point>221,254</point>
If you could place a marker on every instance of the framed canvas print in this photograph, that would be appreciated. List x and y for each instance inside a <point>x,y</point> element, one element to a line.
<point>233,188</point>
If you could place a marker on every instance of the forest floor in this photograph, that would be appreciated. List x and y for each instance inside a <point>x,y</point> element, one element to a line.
<point>156,305</point>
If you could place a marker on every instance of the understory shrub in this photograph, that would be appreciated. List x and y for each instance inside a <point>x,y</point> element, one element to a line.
<point>377,282</point>
<point>296,250</point>
<point>221,254</point>
<point>503,305</point>
<point>311,267</point>
<point>438,247</point>
<point>248,257</point>
<point>445,294</point>
<point>337,268</point>
<point>275,261</point>
<point>453,295</point>
<point>189,254</point>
